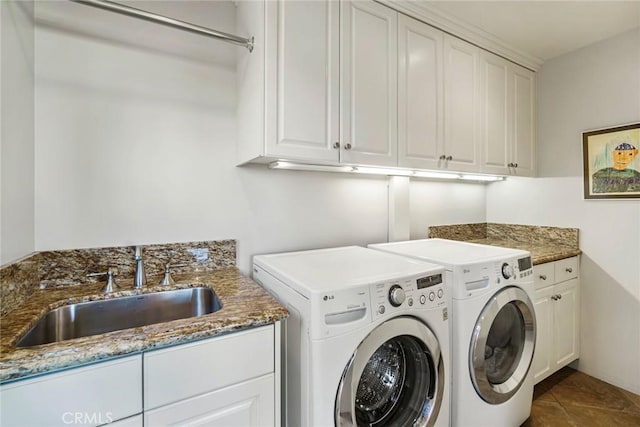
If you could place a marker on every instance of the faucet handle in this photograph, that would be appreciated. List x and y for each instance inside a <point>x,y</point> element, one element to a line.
<point>111,285</point>
<point>167,279</point>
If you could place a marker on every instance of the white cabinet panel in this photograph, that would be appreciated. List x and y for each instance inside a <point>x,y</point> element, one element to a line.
<point>302,74</point>
<point>461,100</point>
<point>566,269</point>
<point>544,275</point>
<point>542,358</point>
<point>507,117</point>
<point>524,90</point>
<point>90,395</point>
<point>566,311</point>
<point>368,89</point>
<point>420,94</point>
<point>557,307</point>
<point>184,371</point>
<point>494,113</point>
<point>248,404</point>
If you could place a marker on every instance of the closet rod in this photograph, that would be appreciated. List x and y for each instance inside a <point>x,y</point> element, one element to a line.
<point>170,22</point>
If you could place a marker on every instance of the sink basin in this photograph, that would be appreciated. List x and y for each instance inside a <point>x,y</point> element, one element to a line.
<point>98,317</point>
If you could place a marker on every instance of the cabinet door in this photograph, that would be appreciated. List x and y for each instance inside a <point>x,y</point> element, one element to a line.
<point>302,74</point>
<point>461,101</point>
<point>247,404</point>
<point>369,84</point>
<point>523,145</point>
<point>234,360</point>
<point>566,313</point>
<point>420,103</point>
<point>544,307</point>
<point>494,113</point>
<point>90,395</point>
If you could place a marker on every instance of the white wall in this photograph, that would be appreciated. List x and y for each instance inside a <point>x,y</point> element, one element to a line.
<point>595,87</point>
<point>135,143</point>
<point>439,203</point>
<point>16,135</point>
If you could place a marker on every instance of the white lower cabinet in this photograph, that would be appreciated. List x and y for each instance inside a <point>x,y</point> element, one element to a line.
<point>226,381</point>
<point>231,380</point>
<point>557,308</point>
<point>88,396</point>
<point>250,403</point>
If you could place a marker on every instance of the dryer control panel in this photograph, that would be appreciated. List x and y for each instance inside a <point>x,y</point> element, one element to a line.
<point>423,292</point>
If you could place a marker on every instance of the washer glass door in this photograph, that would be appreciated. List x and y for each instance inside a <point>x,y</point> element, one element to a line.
<point>394,378</point>
<point>502,345</point>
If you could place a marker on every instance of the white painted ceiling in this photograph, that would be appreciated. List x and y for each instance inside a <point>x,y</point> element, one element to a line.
<point>546,29</point>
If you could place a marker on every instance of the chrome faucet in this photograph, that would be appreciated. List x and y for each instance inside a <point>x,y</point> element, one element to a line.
<point>140,279</point>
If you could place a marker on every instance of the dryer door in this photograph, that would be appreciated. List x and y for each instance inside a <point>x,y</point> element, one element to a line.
<point>502,345</point>
<point>394,378</point>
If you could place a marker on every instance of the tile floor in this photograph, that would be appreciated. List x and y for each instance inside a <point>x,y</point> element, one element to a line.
<point>571,398</point>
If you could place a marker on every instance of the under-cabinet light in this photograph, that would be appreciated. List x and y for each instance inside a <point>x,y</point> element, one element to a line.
<point>372,170</point>
<point>487,178</point>
<point>307,167</point>
<point>437,175</point>
<point>382,171</point>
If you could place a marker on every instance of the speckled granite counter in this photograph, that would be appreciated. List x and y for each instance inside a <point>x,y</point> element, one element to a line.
<point>545,244</point>
<point>244,305</point>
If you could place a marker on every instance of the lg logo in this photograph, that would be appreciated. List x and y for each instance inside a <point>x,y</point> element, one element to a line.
<point>327,297</point>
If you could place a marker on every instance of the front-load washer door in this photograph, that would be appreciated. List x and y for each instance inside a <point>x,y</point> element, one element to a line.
<point>502,345</point>
<point>394,378</point>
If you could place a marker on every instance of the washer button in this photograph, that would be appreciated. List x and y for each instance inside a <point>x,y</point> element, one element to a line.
<point>381,309</point>
<point>410,302</point>
<point>440,293</point>
<point>432,296</point>
<point>423,299</point>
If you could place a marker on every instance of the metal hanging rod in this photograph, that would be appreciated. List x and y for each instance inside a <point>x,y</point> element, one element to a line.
<point>169,22</point>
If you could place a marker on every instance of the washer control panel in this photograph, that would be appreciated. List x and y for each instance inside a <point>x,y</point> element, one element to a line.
<point>422,292</point>
<point>515,268</point>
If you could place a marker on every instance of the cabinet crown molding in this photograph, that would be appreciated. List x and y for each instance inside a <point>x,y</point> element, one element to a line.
<point>431,15</point>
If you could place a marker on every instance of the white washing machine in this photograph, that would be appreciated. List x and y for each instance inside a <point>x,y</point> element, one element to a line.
<point>366,340</point>
<point>493,328</point>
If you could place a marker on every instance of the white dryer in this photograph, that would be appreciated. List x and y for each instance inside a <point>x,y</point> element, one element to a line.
<point>366,340</point>
<point>493,328</point>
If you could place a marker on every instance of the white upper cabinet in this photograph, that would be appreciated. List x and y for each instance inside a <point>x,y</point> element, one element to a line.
<point>507,117</point>
<point>420,94</point>
<point>461,104</point>
<point>302,79</point>
<point>288,86</point>
<point>369,82</point>
<point>356,82</point>
<point>495,113</point>
<point>524,121</point>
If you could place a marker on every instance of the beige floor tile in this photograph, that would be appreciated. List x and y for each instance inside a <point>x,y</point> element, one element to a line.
<point>597,417</point>
<point>548,414</point>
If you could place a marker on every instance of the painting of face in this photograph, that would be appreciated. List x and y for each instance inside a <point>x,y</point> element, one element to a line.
<point>611,162</point>
<point>622,158</point>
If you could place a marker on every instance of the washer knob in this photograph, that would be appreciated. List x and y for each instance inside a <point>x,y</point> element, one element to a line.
<point>507,271</point>
<point>396,295</point>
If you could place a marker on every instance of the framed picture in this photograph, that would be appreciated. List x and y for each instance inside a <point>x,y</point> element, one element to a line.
<point>612,163</point>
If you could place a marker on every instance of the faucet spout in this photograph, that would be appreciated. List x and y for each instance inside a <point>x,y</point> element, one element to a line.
<point>140,278</point>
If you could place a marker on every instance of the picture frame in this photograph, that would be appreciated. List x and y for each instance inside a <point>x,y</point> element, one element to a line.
<point>611,159</point>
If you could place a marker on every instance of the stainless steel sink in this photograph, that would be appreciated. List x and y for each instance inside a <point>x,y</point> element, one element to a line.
<point>98,317</point>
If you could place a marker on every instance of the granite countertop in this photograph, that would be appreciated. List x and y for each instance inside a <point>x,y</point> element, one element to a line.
<point>244,305</point>
<point>540,252</point>
<point>545,243</point>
